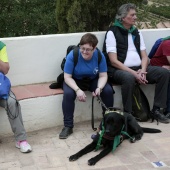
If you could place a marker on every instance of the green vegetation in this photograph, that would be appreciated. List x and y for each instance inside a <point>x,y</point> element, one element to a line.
<point>153,12</point>
<point>27,17</point>
<point>40,17</point>
<point>162,2</point>
<point>161,10</point>
<point>86,15</point>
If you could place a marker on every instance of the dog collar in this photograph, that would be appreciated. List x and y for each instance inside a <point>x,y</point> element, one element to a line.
<point>117,111</point>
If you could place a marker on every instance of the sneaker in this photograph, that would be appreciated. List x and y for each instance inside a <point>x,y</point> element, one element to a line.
<point>23,146</point>
<point>66,131</point>
<point>167,115</point>
<point>159,116</point>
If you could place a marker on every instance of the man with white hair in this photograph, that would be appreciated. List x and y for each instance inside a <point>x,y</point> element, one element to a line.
<point>128,62</point>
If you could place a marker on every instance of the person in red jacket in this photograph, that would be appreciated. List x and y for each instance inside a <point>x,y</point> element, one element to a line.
<point>162,59</point>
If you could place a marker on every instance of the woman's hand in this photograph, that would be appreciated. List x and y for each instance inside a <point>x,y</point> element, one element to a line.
<point>81,95</point>
<point>97,92</point>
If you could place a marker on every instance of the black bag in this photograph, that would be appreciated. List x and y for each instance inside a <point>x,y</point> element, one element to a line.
<point>140,105</point>
<point>5,86</point>
<point>75,49</point>
<point>59,83</point>
<point>60,78</point>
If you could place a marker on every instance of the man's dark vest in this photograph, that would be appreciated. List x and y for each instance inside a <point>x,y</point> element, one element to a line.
<point>121,36</point>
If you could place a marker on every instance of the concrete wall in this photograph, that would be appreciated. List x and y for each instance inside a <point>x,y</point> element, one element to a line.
<point>37,59</point>
<point>43,54</point>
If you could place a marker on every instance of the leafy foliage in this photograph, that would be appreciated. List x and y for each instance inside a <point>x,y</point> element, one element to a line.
<point>161,10</point>
<point>86,15</point>
<point>27,17</point>
<point>39,17</point>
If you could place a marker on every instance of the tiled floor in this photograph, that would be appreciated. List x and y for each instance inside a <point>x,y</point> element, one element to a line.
<point>51,153</point>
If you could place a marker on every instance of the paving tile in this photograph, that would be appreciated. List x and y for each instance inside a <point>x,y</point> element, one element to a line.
<point>141,166</point>
<point>50,152</point>
<point>14,168</point>
<point>41,161</point>
<point>115,168</point>
<point>149,155</point>
<point>73,166</point>
<point>32,167</point>
<point>26,160</point>
<point>12,164</point>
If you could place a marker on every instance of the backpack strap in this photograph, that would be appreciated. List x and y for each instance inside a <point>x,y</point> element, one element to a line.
<point>99,56</point>
<point>75,54</point>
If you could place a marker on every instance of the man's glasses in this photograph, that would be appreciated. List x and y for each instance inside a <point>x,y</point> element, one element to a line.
<point>88,50</point>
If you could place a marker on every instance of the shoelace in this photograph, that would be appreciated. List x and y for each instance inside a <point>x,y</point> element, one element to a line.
<point>168,115</point>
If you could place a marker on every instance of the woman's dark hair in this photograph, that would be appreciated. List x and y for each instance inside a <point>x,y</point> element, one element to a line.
<point>89,38</point>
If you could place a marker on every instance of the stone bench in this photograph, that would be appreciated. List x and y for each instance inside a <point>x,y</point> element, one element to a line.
<point>40,111</point>
<point>34,90</point>
<point>42,108</point>
<point>35,62</point>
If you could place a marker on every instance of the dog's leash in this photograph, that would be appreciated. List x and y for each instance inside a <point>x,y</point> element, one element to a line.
<point>101,103</point>
<point>107,110</point>
<point>92,115</point>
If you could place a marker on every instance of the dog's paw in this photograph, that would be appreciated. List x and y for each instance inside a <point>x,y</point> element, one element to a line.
<point>138,137</point>
<point>133,140</point>
<point>73,157</point>
<point>91,161</point>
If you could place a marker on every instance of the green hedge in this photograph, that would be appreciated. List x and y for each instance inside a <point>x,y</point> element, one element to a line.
<point>87,15</point>
<point>161,10</point>
<point>39,17</point>
<point>27,17</point>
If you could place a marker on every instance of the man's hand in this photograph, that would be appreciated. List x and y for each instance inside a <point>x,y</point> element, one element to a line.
<point>141,76</point>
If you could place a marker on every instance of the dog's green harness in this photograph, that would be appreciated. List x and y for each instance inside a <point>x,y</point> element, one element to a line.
<point>117,138</point>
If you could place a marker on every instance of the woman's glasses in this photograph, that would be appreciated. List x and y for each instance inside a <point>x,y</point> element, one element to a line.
<point>88,50</point>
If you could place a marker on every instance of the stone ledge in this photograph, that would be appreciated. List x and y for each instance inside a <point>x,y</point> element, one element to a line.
<point>34,90</point>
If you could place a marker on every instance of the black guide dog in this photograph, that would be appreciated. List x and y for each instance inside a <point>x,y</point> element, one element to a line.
<point>114,124</point>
